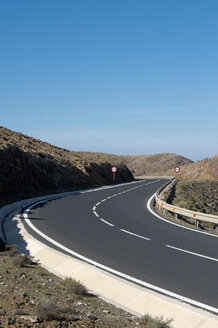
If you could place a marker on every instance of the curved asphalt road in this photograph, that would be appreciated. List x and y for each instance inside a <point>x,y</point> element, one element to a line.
<point>114,227</point>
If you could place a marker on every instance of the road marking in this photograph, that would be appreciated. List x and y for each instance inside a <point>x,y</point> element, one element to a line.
<point>118,273</point>
<point>120,193</point>
<point>110,224</point>
<point>192,253</point>
<point>173,223</point>
<point>96,213</point>
<point>134,234</point>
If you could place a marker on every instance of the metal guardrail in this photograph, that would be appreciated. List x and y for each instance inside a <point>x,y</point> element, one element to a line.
<point>197,216</point>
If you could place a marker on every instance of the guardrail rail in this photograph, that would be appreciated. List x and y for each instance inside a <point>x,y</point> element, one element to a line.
<point>197,216</point>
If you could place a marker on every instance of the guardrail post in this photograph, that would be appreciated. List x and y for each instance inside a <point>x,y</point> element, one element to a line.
<point>175,216</point>
<point>196,224</point>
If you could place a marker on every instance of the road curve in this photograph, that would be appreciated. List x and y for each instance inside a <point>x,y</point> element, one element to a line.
<point>113,227</point>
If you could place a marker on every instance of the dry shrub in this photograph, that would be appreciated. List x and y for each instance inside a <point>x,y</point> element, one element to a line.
<point>22,260</point>
<point>155,322</point>
<point>75,286</point>
<point>47,310</point>
<point>11,250</point>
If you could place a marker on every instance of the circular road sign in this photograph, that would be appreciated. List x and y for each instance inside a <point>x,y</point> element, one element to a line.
<point>114,169</point>
<point>177,169</point>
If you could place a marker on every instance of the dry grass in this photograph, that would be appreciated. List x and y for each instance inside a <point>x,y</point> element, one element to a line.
<point>155,322</point>
<point>74,286</point>
<point>48,310</point>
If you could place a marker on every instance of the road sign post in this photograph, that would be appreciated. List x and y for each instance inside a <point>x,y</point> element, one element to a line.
<point>114,170</point>
<point>177,170</point>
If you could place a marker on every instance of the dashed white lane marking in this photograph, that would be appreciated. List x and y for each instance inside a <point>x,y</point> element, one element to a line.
<point>110,224</point>
<point>134,234</point>
<point>192,253</point>
<point>114,195</point>
<point>96,213</point>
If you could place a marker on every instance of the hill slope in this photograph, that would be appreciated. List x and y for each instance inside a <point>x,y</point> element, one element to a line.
<point>30,167</point>
<point>206,169</point>
<point>156,164</point>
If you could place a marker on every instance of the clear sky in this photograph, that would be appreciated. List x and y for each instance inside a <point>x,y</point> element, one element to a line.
<point>115,76</point>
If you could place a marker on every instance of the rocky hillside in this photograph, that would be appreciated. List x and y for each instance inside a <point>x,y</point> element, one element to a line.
<point>206,169</point>
<point>30,167</point>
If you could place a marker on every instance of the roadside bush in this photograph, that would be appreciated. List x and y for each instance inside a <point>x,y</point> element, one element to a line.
<point>155,322</point>
<point>47,310</point>
<point>22,260</point>
<point>74,286</point>
<point>11,250</point>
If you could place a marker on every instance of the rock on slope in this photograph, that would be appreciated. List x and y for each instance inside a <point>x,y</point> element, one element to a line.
<point>30,167</point>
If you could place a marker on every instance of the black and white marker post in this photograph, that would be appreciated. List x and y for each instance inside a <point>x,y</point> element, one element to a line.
<point>114,170</point>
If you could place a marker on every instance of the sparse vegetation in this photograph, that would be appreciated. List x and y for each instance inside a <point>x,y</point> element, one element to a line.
<point>48,310</point>
<point>22,260</point>
<point>33,297</point>
<point>155,322</point>
<point>74,286</point>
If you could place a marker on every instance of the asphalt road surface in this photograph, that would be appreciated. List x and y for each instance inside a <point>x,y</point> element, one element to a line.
<point>113,227</point>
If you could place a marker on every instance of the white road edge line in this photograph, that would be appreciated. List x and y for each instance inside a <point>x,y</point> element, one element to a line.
<point>192,253</point>
<point>120,274</point>
<point>134,234</point>
<point>176,224</point>
<point>110,224</point>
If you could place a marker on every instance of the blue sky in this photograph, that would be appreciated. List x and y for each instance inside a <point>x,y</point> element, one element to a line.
<point>115,76</point>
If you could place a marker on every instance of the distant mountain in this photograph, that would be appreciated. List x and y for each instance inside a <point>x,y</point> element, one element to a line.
<point>206,169</point>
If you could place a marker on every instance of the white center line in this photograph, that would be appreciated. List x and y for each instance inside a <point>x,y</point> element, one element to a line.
<point>196,254</point>
<point>96,214</point>
<point>94,208</point>
<point>134,234</point>
<point>110,224</point>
